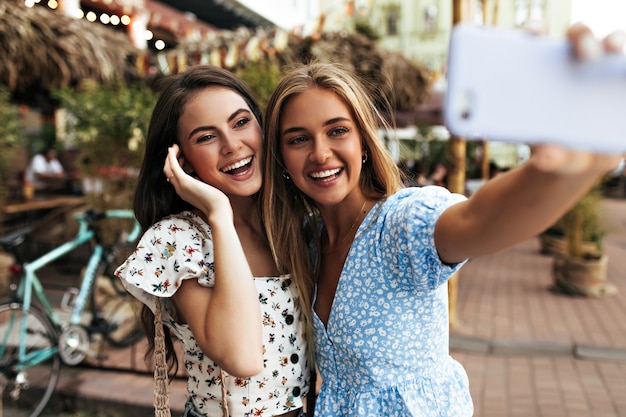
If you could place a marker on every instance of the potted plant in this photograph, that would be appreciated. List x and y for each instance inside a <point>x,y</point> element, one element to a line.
<point>581,267</point>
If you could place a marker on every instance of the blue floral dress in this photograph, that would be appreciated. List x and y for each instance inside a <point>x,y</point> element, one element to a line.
<point>173,250</point>
<point>385,350</point>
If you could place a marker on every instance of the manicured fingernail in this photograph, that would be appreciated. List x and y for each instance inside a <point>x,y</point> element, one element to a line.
<point>616,40</point>
<point>589,47</point>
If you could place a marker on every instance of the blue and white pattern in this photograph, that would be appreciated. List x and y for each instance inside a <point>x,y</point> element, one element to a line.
<point>385,351</point>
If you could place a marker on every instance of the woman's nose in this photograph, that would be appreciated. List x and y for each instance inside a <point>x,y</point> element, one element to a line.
<point>230,143</point>
<point>321,151</point>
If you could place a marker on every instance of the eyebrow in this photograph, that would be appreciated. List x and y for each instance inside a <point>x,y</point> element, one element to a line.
<point>326,123</point>
<point>230,118</point>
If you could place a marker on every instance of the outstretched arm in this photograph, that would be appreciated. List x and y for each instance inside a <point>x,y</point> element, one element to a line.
<point>519,204</point>
<point>525,201</point>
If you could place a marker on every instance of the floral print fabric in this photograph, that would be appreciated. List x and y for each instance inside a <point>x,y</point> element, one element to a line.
<point>174,250</point>
<point>385,350</point>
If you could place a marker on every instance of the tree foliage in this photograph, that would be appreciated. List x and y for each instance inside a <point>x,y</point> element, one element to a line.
<point>262,77</point>
<point>11,132</point>
<point>581,224</point>
<point>107,122</point>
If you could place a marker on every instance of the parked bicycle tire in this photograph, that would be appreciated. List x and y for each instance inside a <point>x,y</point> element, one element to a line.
<point>28,401</point>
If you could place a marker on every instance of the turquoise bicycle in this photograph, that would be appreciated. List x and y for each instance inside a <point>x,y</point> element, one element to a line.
<point>34,341</point>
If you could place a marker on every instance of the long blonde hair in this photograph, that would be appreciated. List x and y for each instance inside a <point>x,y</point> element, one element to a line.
<point>291,217</point>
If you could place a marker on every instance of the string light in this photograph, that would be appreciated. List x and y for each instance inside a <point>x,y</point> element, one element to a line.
<point>91,16</point>
<point>104,18</point>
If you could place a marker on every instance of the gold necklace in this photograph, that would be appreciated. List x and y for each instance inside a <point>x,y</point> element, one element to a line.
<point>345,236</point>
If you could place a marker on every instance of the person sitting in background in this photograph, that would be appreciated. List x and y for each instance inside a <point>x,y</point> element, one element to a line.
<point>45,172</point>
<point>438,176</point>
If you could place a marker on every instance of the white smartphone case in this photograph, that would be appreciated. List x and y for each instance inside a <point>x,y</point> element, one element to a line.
<point>512,86</point>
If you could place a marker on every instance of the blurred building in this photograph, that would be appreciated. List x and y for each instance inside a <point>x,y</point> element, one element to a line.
<point>420,29</point>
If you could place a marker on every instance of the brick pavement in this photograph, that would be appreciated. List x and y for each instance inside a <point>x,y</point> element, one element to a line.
<point>528,352</point>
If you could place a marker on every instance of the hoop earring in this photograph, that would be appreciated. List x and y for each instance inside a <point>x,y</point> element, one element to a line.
<point>286,175</point>
<point>364,158</point>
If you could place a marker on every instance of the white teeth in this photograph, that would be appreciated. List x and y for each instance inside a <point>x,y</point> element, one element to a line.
<point>326,173</point>
<point>237,164</point>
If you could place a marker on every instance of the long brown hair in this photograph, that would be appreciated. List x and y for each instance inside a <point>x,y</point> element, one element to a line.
<point>154,197</point>
<point>290,215</point>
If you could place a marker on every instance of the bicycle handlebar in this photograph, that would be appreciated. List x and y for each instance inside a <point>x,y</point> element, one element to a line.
<point>87,221</point>
<point>89,218</point>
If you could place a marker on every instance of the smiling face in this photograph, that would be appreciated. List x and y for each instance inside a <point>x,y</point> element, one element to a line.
<point>321,146</point>
<point>221,141</point>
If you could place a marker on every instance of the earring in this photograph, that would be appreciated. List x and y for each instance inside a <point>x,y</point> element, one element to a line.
<point>286,175</point>
<point>364,158</point>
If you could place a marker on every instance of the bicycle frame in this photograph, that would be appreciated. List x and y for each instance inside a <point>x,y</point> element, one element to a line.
<point>30,282</point>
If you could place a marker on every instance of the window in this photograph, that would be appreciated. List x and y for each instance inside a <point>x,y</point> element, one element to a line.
<point>431,14</point>
<point>529,10</point>
<point>393,15</point>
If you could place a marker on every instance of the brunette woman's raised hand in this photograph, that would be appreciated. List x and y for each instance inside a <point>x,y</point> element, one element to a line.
<point>211,201</point>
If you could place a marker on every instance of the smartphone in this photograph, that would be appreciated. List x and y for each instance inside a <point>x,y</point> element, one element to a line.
<point>512,86</point>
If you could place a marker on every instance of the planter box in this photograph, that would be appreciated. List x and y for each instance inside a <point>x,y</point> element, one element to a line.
<point>584,277</point>
<point>551,244</point>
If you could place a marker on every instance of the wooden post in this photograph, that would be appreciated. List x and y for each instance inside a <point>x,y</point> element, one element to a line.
<point>461,11</point>
<point>496,10</point>
<point>485,160</point>
<point>456,184</point>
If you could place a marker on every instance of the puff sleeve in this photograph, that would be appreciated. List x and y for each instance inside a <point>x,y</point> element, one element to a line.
<point>410,222</point>
<point>172,250</point>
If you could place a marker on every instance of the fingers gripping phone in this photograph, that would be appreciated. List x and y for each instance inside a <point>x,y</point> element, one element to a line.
<point>512,86</point>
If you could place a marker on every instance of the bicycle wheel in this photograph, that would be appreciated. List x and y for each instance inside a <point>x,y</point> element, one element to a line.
<point>26,392</point>
<point>119,312</point>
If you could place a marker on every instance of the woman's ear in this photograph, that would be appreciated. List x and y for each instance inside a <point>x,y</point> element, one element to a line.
<point>188,168</point>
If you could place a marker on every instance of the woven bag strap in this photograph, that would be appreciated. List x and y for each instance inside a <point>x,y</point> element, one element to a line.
<point>161,382</point>
<point>225,411</point>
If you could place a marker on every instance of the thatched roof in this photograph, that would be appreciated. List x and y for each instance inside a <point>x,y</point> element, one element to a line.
<point>410,81</point>
<point>43,49</point>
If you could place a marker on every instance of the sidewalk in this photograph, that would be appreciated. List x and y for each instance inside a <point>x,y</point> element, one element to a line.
<point>528,352</point>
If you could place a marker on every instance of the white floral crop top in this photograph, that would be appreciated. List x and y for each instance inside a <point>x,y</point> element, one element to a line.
<point>174,250</point>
